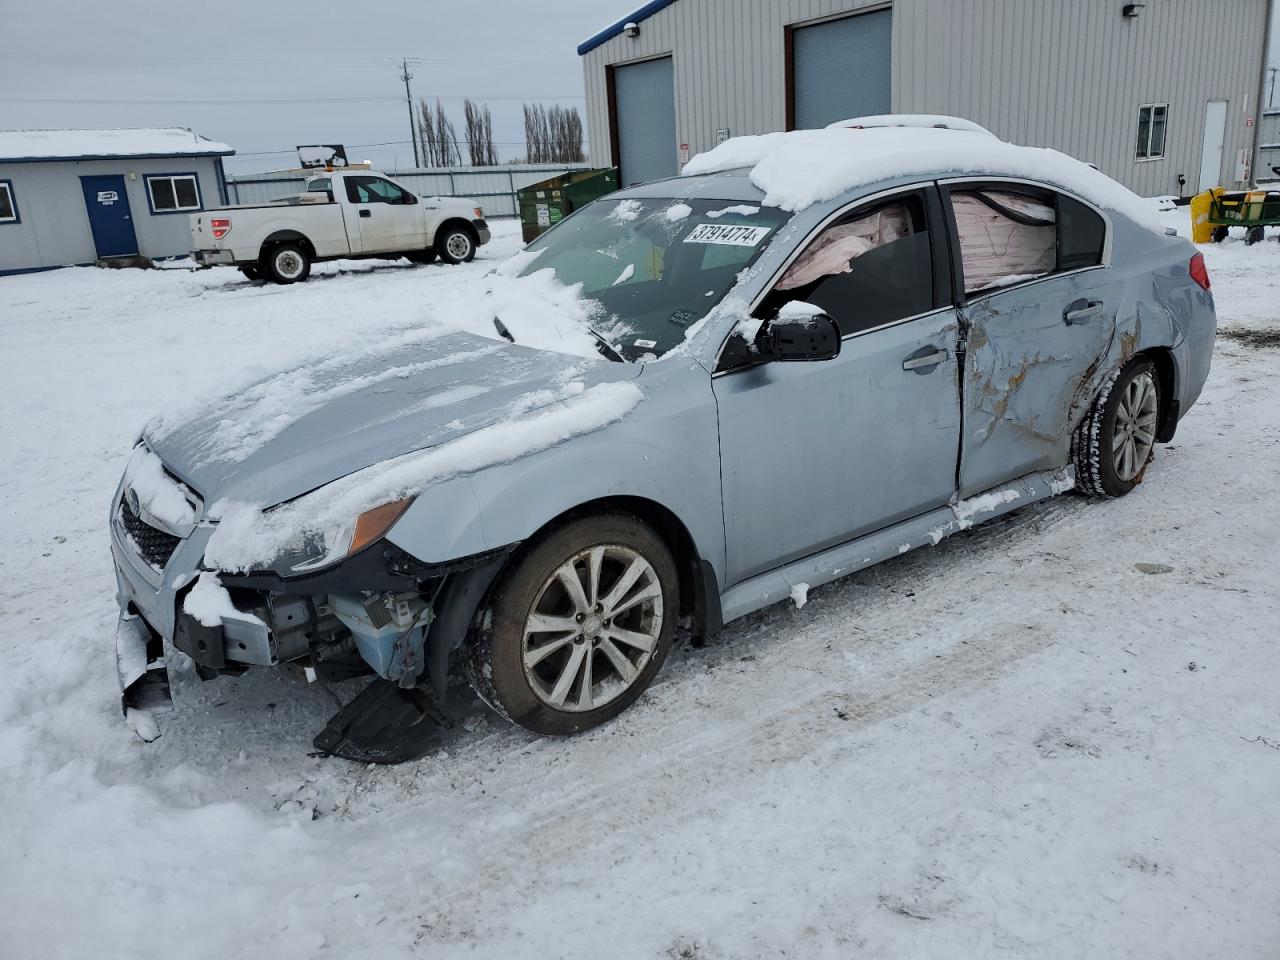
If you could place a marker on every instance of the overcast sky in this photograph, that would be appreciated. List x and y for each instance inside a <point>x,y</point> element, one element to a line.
<point>313,60</point>
<point>329,72</point>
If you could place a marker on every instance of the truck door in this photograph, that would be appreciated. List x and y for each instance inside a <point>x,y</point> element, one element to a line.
<point>387,218</point>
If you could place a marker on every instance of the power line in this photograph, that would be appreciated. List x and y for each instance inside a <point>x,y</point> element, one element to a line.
<point>273,101</point>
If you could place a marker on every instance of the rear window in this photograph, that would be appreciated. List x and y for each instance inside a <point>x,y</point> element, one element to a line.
<point>1081,235</point>
<point>1005,238</point>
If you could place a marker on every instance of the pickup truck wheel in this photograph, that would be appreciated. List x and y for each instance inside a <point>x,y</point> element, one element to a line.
<point>288,263</point>
<point>251,272</point>
<point>456,245</point>
<point>578,628</point>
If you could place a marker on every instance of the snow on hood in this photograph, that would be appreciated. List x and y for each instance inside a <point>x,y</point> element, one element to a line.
<point>804,167</point>
<point>247,538</point>
<point>306,427</point>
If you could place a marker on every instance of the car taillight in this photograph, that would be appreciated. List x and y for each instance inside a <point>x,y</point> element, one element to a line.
<point>221,226</point>
<point>479,212</point>
<point>1199,272</point>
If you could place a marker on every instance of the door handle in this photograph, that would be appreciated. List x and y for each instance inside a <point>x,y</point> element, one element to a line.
<point>928,360</point>
<point>366,213</point>
<point>1081,310</point>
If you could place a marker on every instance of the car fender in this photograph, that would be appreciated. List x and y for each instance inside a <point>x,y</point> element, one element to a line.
<point>665,451</point>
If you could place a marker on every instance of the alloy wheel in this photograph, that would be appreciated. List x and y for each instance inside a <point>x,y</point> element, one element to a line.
<point>1134,433</point>
<point>593,628</point>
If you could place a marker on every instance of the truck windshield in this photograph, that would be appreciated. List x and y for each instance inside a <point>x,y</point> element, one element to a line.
<point>657,266</point>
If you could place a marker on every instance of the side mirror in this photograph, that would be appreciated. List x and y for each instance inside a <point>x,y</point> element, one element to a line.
<point>797,335</point>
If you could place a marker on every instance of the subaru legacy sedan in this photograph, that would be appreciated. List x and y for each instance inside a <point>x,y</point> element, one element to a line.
<point>685,402</point>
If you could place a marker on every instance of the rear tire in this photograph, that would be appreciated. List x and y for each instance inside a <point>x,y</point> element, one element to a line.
<point>1219,234</point>
<point>288,263</point>
<point>1115,441</point>
<point>578,627</point>
<point>1254,235</point>
<point>456,244</point>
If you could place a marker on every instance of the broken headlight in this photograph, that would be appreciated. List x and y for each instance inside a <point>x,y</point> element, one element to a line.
<point>320,548</point>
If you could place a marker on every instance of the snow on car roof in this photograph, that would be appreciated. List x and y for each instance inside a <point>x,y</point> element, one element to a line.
<point>937,120</point>
<point>804,167</point>
<point>117,142</point>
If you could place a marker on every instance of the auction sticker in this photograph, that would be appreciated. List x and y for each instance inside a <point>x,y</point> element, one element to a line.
<point>729,234</point>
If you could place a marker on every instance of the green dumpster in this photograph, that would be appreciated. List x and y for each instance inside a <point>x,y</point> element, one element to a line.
<point>544,204</point>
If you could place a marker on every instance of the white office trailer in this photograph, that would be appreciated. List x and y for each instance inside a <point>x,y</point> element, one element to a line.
<point>1163,95</point>
<point>71,197</point>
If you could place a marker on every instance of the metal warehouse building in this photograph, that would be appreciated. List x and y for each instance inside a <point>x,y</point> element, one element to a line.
<point>83,196</point>
<point>1159,95</point>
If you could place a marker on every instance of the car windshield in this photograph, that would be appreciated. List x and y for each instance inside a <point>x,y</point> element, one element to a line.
<point>656,266</point>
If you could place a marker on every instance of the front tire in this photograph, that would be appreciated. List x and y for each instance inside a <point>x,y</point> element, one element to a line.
<point>288,263</point>
<point>1116,440</point>
<point>456,244</point>
<point>578,628</point>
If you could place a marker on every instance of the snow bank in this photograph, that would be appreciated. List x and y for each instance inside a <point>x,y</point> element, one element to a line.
<point>804,167</point>
<point>247,537</point>
<point>157,493</point>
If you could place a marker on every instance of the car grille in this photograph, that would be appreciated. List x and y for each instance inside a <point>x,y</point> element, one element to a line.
<point>154,546</point>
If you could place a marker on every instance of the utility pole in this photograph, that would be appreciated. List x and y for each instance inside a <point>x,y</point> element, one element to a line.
<point>406,76</point>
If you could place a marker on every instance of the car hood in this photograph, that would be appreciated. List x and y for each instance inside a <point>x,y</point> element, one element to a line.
<point>300,429</point>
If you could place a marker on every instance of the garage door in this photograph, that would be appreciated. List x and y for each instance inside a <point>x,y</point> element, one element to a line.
<point>841,69</point>
<point>644,98</point>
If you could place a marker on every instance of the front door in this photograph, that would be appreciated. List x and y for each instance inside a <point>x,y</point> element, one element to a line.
<point>814,454</point>
<point>1215,135</point>
<point>110,219</point>
<point>388,218</point>
<point>1040,313</point>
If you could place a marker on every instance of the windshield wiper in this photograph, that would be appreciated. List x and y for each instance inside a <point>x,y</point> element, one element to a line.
<point>503,332</point>
<point>606,348</point>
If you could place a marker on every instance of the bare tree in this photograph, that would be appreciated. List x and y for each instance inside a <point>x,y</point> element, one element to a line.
<point>552,135</point>
<point>439,139</point>
<point>479,134</point>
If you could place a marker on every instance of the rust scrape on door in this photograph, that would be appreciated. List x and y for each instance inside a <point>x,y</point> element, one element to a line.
<point>999,364</point>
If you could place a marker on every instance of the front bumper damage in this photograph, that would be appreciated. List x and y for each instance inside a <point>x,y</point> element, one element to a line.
<point>380,613</point>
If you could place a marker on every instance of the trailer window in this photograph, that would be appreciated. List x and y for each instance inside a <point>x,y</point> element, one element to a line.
<point>1152,119</point>
<point>173,193</point>
<point>8,206</point>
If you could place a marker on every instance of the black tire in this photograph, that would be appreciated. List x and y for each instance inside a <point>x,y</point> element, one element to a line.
<point>251,271</point>
<point>495,658</point>
<point>1254,235</point>
<point>1094,448</point>
<point>421,256</point>
<point>1219,234</point>
<point>456,244</point>
<point>287,263</point>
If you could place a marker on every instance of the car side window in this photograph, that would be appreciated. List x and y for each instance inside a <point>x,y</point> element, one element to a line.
<point>870,268</point>
<point>1005,237</point>
<point>1082,234</point>
<point>373,190</point>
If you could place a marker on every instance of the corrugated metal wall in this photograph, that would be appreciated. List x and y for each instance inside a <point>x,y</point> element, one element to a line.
<point>1069,74</point>
<point>494,188</point>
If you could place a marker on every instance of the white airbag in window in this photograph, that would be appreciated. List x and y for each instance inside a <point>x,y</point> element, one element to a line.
<point>996,249</point>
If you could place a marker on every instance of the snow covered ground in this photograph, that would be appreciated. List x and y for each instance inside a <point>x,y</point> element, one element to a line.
<point>1057,735</point>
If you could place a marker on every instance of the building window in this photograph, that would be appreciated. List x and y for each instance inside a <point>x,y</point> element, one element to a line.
<point>8,204</point>
<point>173,193</point>
<point>1152,118</point>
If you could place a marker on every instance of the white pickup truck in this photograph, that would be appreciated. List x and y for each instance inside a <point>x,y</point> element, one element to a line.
<point>354,215</point>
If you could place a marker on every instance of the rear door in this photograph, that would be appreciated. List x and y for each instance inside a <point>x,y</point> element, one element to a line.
<point>388,218</point>
<point>1038,304</point>
<point>814,454</point>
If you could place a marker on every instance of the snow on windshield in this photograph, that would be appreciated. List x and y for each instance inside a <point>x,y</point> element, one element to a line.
<point>804,167</point>
<point>246,537</point>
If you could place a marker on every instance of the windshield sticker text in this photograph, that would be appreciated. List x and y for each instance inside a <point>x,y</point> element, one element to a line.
<point>729,234</point>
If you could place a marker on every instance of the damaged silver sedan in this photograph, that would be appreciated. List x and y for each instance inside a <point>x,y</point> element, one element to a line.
<point>779,398</point>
